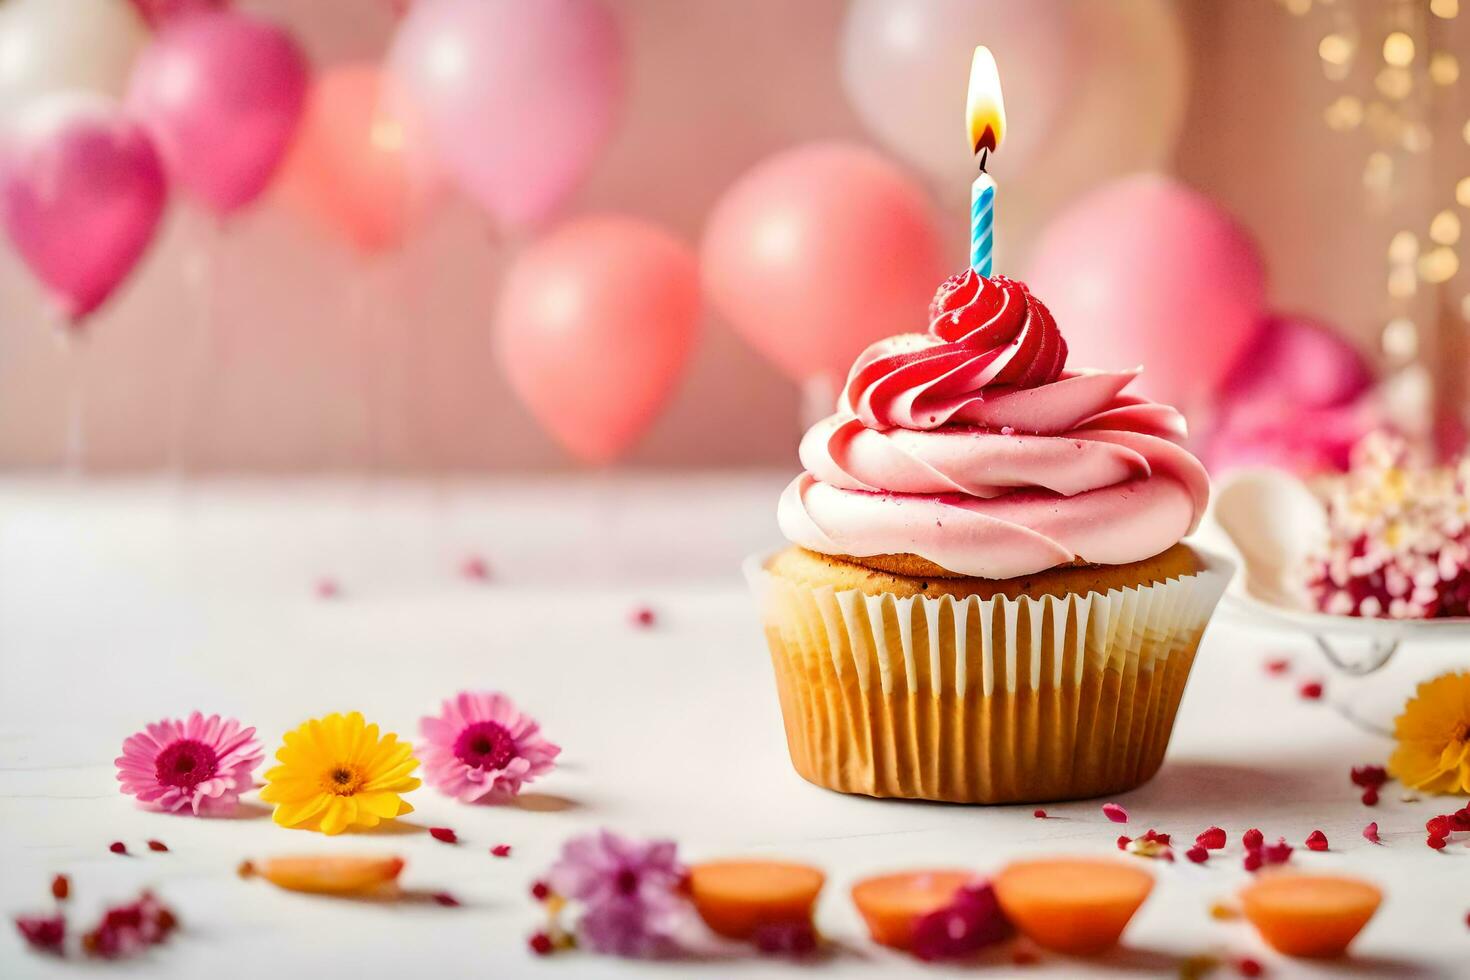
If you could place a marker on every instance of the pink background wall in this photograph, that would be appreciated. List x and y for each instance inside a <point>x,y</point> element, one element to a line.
<point>715,87</point>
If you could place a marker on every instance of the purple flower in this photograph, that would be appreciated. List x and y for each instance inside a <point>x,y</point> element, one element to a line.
<point>631,892</point>
<point>969,923</point>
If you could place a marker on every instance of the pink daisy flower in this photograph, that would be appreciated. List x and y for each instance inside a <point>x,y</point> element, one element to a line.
<point>481,745</point>
<point>202,764</point>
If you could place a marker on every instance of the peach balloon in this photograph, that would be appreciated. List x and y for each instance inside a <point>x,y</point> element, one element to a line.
<point>819,251</point>
<point>1147,271</point>
<point>595,324</point>
<point>359,164</point>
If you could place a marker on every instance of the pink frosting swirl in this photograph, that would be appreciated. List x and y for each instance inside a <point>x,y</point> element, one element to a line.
<point>973,447</point>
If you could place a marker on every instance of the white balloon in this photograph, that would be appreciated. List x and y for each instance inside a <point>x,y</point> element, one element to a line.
<point>66,45</point>
<point>906,65</point>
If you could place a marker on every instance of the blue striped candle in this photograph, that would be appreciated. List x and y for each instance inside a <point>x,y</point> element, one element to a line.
<point>982,224</point>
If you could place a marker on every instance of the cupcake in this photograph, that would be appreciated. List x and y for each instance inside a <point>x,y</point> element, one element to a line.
<point>986,598</point>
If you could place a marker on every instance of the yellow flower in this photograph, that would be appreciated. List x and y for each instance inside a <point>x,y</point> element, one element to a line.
<point>336,773</point>
<point>1433,733</point>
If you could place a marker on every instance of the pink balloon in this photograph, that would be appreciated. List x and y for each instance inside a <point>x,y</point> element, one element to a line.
<point>221,93</point>
<point>519,97</point>
<point>819,251</point>
<point>158,12</point>
<point>1147,271</point>
<point>1294,398</point>
<point>595,323</point>
<point>81,192</point>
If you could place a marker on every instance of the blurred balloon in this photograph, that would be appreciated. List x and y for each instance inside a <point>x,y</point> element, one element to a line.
<point>158,12</point>
<point>595,323</point>
<point>66,46</point>
<point>222,94</point>
<point>358,163</point>
<point>817,252</point>
<point>81,192</point>
<point>905,66</point>
<point>1147,271</point>
<point>519,97</point>
<point>1296,397</point>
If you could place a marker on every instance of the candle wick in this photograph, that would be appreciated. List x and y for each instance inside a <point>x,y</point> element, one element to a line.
<point>984,154</point>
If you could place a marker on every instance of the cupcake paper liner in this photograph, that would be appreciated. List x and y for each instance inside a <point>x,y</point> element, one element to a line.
<point>983,700</point>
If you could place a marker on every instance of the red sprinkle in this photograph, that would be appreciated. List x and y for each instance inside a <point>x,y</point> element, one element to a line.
<point>1316,841</point>
<point>1115,813</point>
<point>501,850</point>
<point>1212,839</point>
<point>1374,776</point>
<point>540,944</point>
<point>1278,666</point>
<point>1252,861</point>
<point>642,617</point>
<point>1438,826</point>
<point>1248,967</point>
<point>444,834</point>
<point>1311,690</point>
<point>1370,796</point>
<point>446,899</point>
<point>1198,854</point>
<point>1437,843</point>
<point>1277,853</point>
<point>60,888</point>
<point>1253,839</point>
<point>118,847</point>
<point>157,845</point>
<point>1123,843</point>
<point>1370,833</point>
<point>1039,814</point>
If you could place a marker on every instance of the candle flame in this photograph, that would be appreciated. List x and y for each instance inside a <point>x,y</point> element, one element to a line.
<point>985,112</point>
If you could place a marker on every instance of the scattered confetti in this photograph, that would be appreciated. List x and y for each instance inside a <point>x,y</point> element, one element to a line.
<point>444,835</point>
<point>44,933</point>
<point>1115,813</point>
<point>1248,967</point>
<point>1277,853</point>
<point>1211,839</point>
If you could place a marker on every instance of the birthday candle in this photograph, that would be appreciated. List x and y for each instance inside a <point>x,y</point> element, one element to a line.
<point>985,119</point>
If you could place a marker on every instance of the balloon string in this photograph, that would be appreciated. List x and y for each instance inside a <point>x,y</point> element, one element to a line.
<point>74,449</point>
<point>818,399</point>
<point>201,362</point>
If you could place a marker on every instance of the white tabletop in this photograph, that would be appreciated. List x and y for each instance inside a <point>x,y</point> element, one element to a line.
<point>124,602</point>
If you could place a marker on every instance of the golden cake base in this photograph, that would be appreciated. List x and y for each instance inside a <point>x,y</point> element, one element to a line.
<point>1060,686</point>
